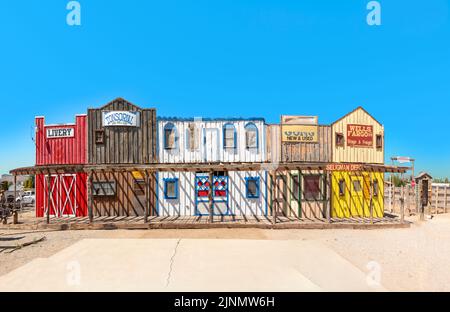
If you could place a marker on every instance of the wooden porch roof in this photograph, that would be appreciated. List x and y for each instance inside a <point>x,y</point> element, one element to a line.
<point>206,167</point>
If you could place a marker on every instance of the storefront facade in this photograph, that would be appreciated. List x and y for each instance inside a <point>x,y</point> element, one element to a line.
<point>358,138</point>
<point>63,194</point>
<point>211,141</point>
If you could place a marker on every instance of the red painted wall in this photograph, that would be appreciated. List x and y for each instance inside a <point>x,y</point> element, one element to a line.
<point>69,192</point>
<point>59,151</point>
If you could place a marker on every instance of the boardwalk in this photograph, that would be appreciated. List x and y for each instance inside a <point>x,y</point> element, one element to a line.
<point>201,222</point>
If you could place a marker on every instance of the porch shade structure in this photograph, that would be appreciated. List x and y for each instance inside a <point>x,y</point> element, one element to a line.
<point>151,169</point>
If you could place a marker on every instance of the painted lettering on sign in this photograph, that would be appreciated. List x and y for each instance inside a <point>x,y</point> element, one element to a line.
<point>54,133</point>
<point>344,167</point>
<point>359,136</point>
<point>121,118</point>
<point>297,133</point>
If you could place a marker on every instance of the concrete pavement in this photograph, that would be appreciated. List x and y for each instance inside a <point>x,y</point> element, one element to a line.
<point>190,265</point>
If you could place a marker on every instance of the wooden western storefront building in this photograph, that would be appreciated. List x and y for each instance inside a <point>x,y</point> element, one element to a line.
<point>121,133</point>
<point>214,142</point>
<point>357,138</point>
<point>61,193</point>
<point>136,165</point>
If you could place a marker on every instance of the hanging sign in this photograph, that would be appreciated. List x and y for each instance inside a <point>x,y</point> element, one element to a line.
<point>121,118</point>
<point>56,133</point>
<point>299,133</point>
<point>359,135</point>
<point>299,120</point>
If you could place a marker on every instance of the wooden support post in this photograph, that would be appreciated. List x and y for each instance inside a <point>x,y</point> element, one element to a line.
<point>328,194</point>
<point>210,197</point>
<point>274,199</point>
<point>15,209</point>
<point>49,195</point>
<point>371,197</point>
<point>90,201</point>
<point>402,205</point>
<point>437,199</point>
<point>147,196</point>
<point>299,195</point>
<point>445,199</point>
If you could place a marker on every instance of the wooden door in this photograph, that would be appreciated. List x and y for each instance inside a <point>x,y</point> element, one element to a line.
<point>280,200</point>
<point>211,145</point>
<point>68,200</point>
<point>356,196</point>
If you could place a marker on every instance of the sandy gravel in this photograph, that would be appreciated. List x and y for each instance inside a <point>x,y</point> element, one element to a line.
<point>416,259</point>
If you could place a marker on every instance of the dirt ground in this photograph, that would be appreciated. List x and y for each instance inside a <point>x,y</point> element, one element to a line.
<point>414,259</point>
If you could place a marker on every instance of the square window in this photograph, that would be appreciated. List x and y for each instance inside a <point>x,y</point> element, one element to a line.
<point>99,136</point>
<point>252,187</point>
<point>311,185</point>
<point>379,141</point>
<point>171,188</point>
<point>339,139</point>
<point>104,188</point>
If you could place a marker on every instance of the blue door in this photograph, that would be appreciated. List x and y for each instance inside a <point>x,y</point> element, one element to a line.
<point>220,195</point>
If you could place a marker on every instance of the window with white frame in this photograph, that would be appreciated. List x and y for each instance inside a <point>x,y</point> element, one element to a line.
<point>229,136</point>
<point>251,136</point>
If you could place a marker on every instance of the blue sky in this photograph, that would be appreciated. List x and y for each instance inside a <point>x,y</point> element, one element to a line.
<point>230,58</point>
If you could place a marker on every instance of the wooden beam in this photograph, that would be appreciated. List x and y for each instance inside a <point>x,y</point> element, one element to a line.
<point>90,198</point>
<point>147,196</point>
<point>49,195</point>
<point>210,197</point>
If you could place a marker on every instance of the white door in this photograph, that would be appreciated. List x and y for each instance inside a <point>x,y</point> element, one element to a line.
<point>211,145</point>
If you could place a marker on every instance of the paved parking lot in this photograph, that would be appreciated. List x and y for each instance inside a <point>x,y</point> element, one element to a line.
<point>189,265</point>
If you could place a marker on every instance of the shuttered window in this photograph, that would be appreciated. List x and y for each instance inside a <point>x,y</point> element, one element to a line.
<point>251,136</point>
<point>170,134</point>
<point>192,137</point>
<point>229,136</point>
<point>379,141</point>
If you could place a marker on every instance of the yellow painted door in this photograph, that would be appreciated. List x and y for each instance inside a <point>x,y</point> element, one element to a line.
<point>366,194</point>
<point>356,196</point>
<point>340,195</point>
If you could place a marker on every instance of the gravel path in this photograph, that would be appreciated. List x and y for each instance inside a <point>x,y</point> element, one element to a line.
<point>415,259</point>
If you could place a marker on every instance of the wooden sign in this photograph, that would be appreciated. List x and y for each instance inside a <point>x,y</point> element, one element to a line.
<point>56,133</point>
<point>299,133</point>
<point>359,135</point>
<point>121,118</point>
<point>344,167</point>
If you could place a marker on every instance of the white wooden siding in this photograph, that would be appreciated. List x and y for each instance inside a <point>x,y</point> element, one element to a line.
<point>211,149</point>
<point>184,205</point>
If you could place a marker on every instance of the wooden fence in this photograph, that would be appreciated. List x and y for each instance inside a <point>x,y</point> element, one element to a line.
<point>439,199</point>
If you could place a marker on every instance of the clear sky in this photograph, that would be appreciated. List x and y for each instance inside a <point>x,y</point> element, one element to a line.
<point>222,58</point>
